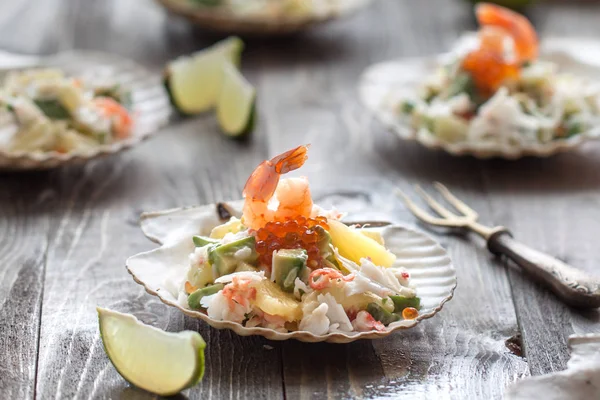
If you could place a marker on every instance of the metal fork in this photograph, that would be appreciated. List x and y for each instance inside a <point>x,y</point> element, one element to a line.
<point>572,286</point>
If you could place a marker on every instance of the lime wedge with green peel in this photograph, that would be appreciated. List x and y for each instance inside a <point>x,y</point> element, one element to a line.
<point>236,107</point>
<point>154,360</point>
<point>194,82</point>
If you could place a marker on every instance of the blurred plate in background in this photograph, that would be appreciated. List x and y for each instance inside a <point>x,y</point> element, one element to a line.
<point>150,104</point>
<point>222,20</point>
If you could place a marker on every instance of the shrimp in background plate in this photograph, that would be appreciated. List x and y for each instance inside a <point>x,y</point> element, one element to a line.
<point>269,199</point>
<point>501,30</point>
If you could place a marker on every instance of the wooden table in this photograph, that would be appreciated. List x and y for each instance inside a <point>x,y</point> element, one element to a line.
<point>65,234</point>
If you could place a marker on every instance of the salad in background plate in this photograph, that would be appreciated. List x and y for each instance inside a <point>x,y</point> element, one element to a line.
<point>495,90</point>
<point>45,110</point>
<point>493,95</point>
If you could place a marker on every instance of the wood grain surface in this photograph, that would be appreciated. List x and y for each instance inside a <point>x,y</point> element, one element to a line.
<point>65,234</point>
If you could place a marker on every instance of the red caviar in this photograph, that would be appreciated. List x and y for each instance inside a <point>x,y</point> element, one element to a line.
<point>299,233</point>
<point>410,313</point>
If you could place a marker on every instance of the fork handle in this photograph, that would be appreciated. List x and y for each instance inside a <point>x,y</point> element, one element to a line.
<point>572,286</point>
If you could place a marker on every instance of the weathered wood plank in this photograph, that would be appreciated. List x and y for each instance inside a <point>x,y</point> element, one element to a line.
<point>551,204</point>
<point>83,221</point>
<point>550,212</point>
<point>23,244</point>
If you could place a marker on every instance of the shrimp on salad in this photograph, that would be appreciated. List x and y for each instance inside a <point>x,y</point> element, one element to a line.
<point>289,265</point>
<point>269,199</point>
<point>507,40</point>
<point>496,94</point>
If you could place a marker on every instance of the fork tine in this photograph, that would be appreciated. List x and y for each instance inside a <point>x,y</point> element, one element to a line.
<point>458,204</point>
<point>431,202</point>
<point>423,215</point>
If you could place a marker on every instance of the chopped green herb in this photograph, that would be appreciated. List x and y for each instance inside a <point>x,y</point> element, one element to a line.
<point>102,136</point>
<point>53,109</point>
<point>575,129</point>
<point>431,94</point>
<point>461,84</point>
<point>207,3</point>
<point>407,107</point>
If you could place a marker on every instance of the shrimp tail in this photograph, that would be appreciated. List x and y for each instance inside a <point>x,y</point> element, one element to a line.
<point>262,183</point>
<point>515,24</point>
<point>290,160</point>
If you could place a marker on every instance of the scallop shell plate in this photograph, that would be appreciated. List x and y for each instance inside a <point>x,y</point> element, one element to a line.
<point>150,105</point>
<point>381,83</point>
<point>162,270</point>
<point>222,20</point>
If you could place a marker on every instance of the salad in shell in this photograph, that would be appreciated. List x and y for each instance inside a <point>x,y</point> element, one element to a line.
<point>495,91</point>
<point>290,265</point>
<point>272,9</point>
<point>44,110</point>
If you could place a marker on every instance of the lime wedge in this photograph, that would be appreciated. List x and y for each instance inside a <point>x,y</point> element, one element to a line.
<point>154,360</point>
<point>236,107</point>
<point>194,82</point>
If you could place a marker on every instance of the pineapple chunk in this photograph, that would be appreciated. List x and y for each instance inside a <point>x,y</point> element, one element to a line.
<point>272,300</point>
<point>354,245</point>
<point>376,236</point>
<point>234,225</point>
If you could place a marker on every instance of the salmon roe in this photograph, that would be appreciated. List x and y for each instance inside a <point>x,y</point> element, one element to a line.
<point>410,313</point>
<point>299,233</point>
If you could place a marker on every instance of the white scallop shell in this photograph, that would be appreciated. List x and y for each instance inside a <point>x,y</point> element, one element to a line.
<point>225,21</point>
<point>390,79</point>
<point>161,270</point>
<point>151,107</point>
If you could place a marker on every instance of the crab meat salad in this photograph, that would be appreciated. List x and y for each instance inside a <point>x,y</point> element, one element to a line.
<point>495,90</point>
<point>289,265</point>
<point>44,110</point>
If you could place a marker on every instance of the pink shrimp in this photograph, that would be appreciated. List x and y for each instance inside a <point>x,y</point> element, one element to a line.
<point>121,120</point>
<point>321,278</point>
<point>487,64</point>
<point>269,199</point>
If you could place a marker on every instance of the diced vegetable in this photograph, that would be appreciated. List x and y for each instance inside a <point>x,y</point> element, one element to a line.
<point>407,107</point>
<point>201,241</point>
<point>462,83</point>
<point>194,298</point>
<point>401,302</point>
<point>574,129</point>
<point>287,266</point>
<point>382,315</point>
<point>450,128</point>
<point>208,3</point>
<point>224,258</point>
<point>53,109</point>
